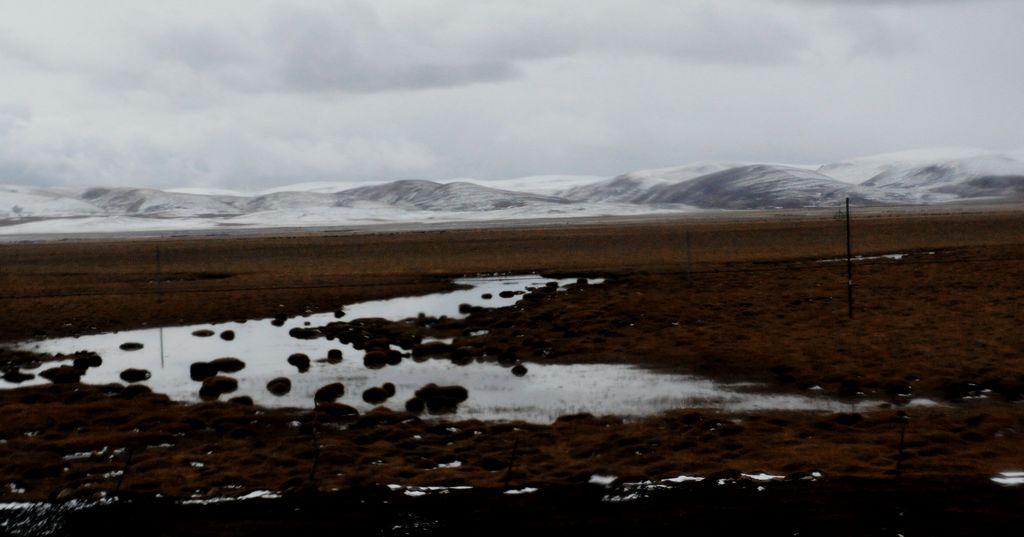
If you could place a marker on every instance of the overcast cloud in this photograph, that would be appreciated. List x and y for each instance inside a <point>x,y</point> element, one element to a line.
<point>252,94</point>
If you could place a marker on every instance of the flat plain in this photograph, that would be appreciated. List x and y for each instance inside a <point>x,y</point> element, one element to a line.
<point>935,339</point>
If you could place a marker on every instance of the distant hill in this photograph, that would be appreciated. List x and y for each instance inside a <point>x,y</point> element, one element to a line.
<point>908,178</point>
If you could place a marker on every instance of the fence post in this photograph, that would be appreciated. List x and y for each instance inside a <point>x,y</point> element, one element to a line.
<point>849,263</point>
<point>689,262</point>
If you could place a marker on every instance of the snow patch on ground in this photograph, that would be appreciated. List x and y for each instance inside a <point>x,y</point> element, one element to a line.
<point>524,490</point>
<point>1010,479</point>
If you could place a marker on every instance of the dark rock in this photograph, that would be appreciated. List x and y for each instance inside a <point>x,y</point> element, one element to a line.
<point>431,391</point>
<point>329,393</point>
<point>375,359</point>
<point>334,356</point>
<point>465,308</point>
<point>336,410</point>
<point>87,359</point>
<point>214,386</point>
<point>300,361</point>
<point>394,357</point>
<point>377,343</point>
<point>279,386</point>
<point>519,370</point>
<point>462,359</point>
<point>277,322</point>
<point>551,285</point>
<point>442,399</point>
<point>16,377</point>
<point>200,371</point>
<point>304,333</point>
<point>339,314</point>
<point>486,296</point>
<point>131,346</point>
<point>244,400</point>
<point>203,333</point>
<point>581,281</point>
<point>433,348</point>
<point>228,365</point>
<point>507,294</point>
<point>389,388</point>
<point>408,341</point>
<point>135,375</point>
<point>415,405</point>
<point>375,395</point>
<point>466,351</point>
<point>572,418</point>
<point>227,335</point>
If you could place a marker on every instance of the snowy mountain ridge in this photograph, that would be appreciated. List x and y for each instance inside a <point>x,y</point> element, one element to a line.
<point>908,178</point>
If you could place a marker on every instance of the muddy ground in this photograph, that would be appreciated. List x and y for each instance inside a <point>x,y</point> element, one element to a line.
<point>754,299</point>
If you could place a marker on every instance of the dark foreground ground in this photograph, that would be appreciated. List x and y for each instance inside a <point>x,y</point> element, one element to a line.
<point>840,507</point>
<point>735,299</point>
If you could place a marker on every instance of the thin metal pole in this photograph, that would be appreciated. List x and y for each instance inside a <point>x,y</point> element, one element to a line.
<point>159,290</point>
<point>160,300</point>
<point>689,262</point>
<point>511,461</point>
<point>849,263</point>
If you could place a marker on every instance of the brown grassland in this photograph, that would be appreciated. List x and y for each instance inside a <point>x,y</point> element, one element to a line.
<point>749,299</point>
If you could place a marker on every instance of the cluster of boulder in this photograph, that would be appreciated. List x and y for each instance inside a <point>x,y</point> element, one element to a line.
<point>437,399</point>
<point>82,361</point>
<point>63,374</point>
<point>378,394</point>
<point>214,383</point>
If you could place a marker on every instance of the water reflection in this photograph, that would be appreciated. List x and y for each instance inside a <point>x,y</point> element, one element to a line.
<point>495,393</point>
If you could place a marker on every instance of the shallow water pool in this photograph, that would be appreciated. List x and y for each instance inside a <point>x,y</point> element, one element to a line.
<point>545,392</point>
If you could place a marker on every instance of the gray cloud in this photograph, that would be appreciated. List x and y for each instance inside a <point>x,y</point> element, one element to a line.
<point>353,47</point>
<point>350,50</point>
<point>257,93</point>
<point>869,3</point>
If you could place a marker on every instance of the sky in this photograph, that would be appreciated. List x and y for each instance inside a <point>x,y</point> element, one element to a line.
<point>253,94</point>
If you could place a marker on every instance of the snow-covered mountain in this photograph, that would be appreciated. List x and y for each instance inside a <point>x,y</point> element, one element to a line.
<point>860,169</point>
<point>759,186</point>
<point>948,175</point>
<point>953,173</point>
<point>151,202</point>
<point>431,196</point>
<point>933,176</point>
<point>20,202</point>
<point>913,177</point>
<point>634,187</point>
